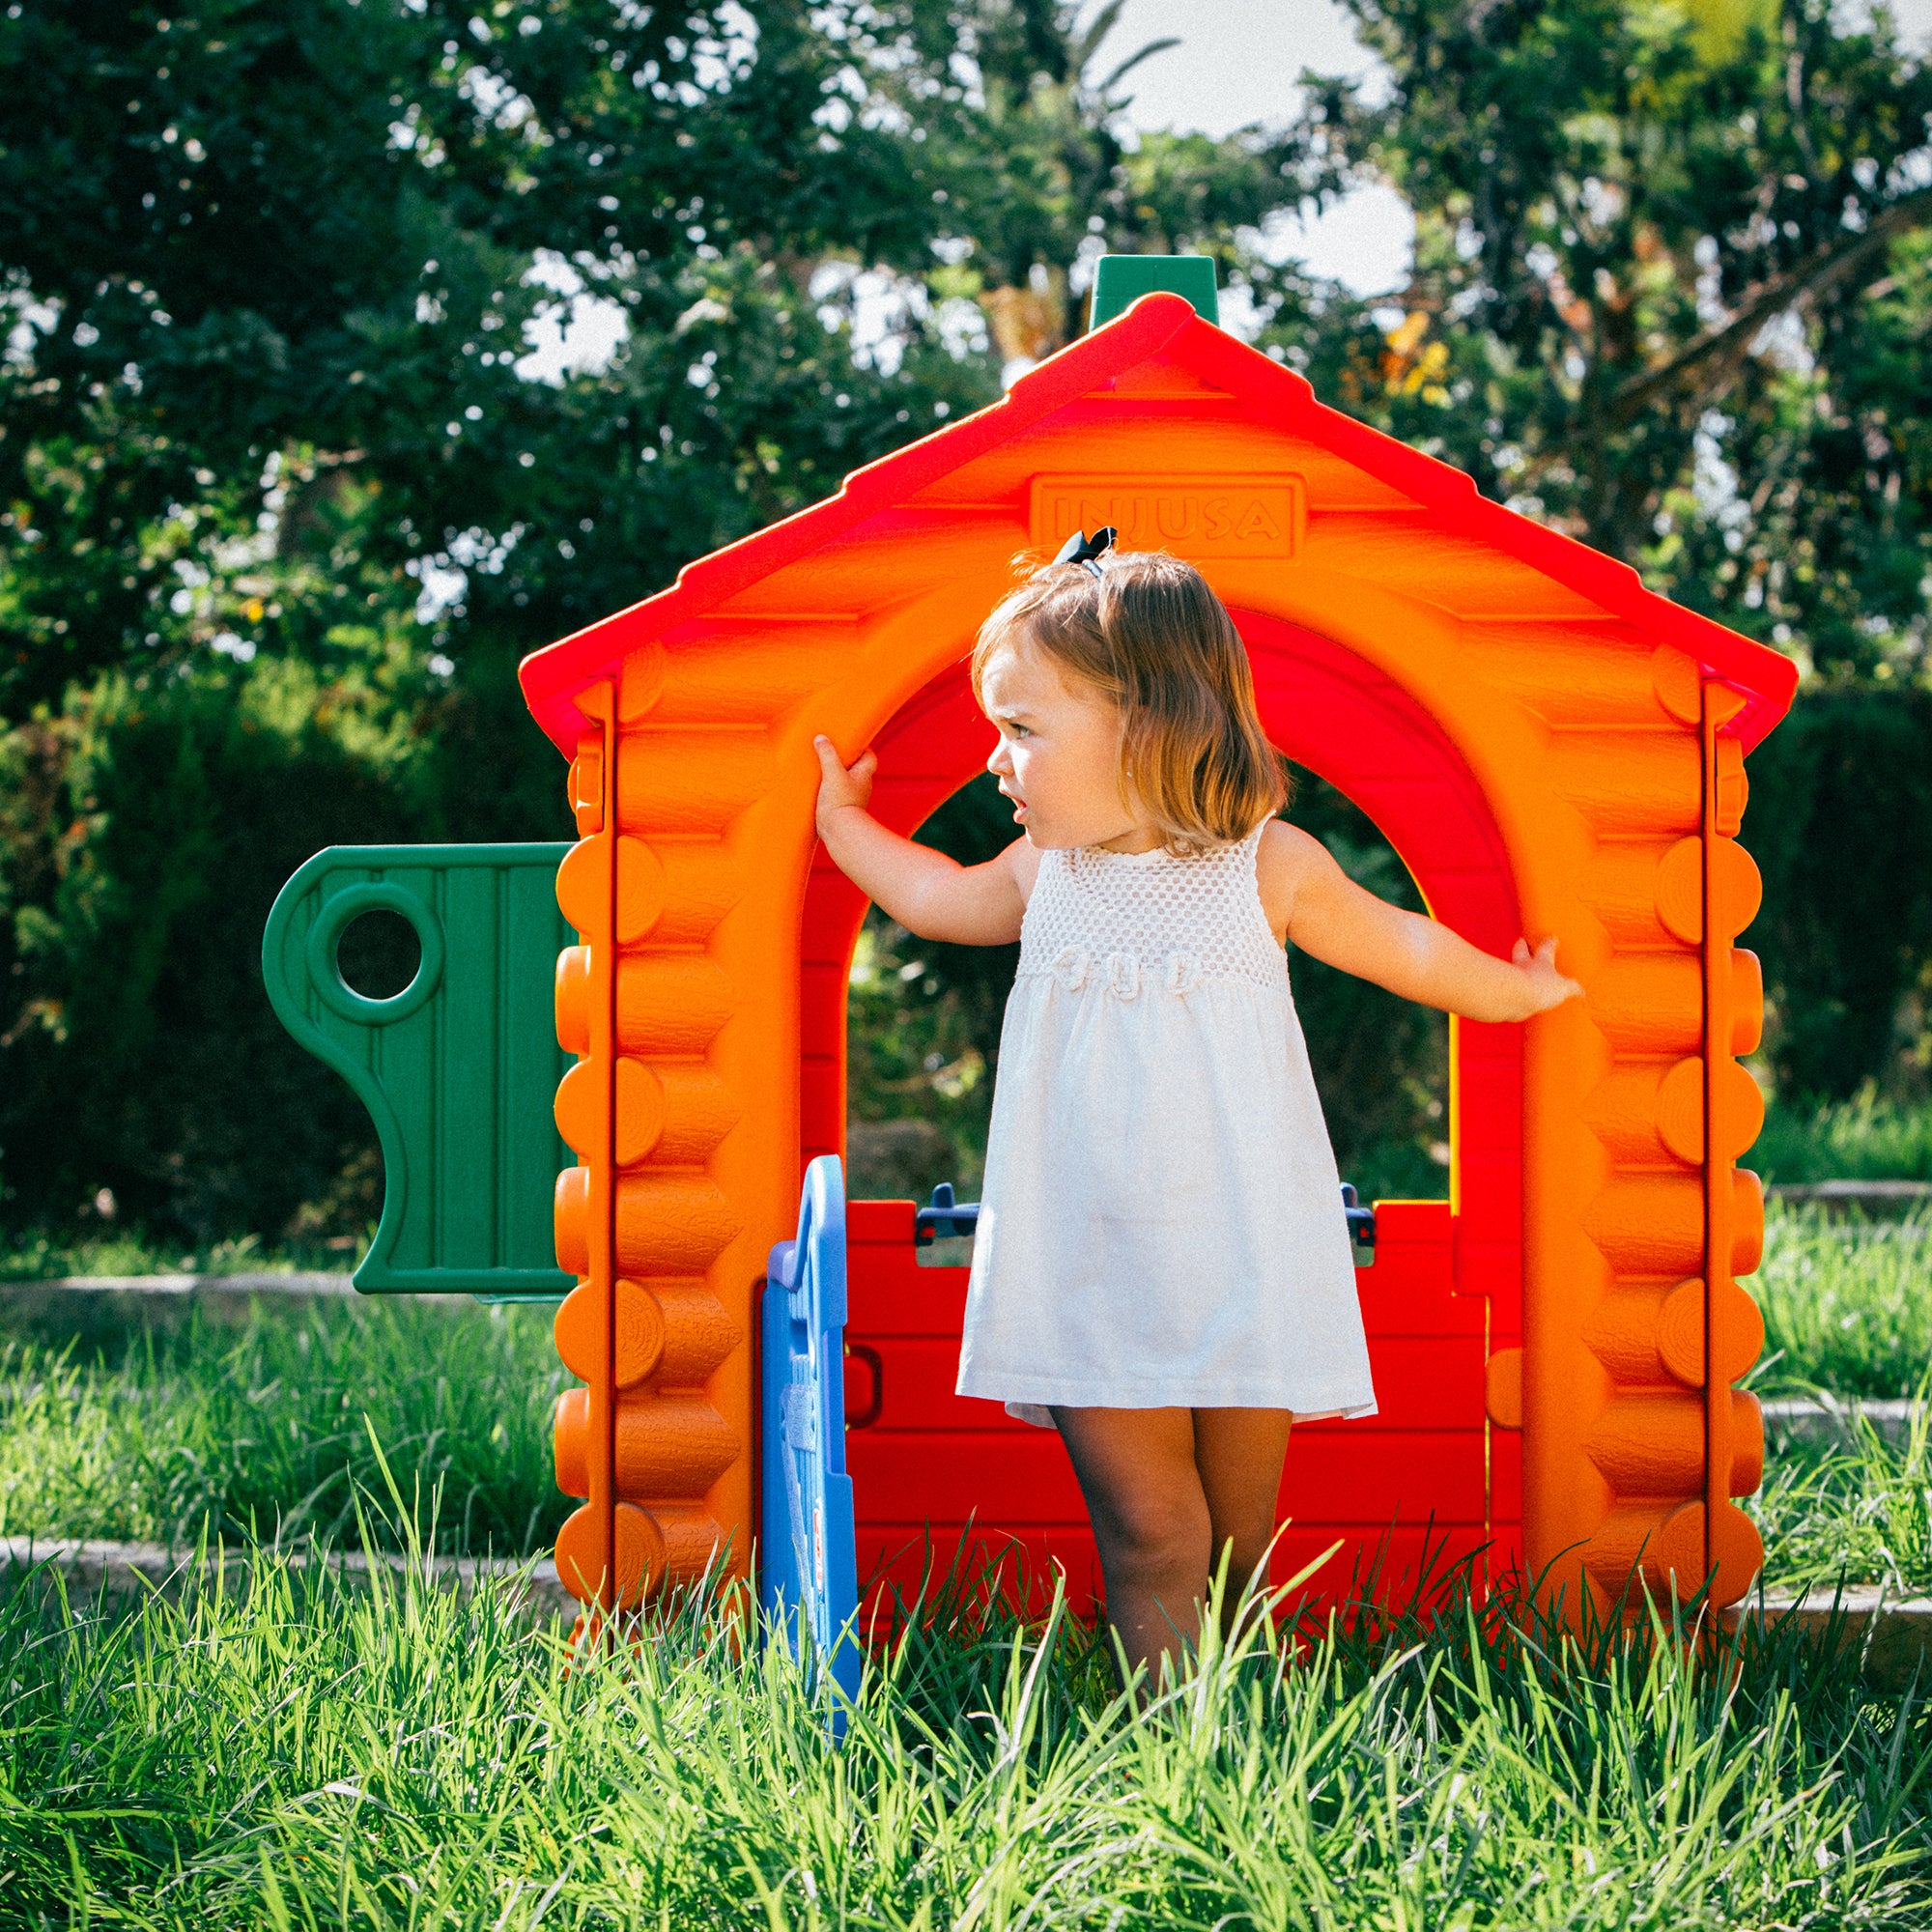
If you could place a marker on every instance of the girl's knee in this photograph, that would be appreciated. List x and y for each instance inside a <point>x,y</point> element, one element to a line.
<point>1157,1530</point>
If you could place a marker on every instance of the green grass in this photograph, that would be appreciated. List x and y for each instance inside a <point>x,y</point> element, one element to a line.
<point>290,1749</point>
<point>1865,1138</point>
<point>298,1753</point>
<point>1859,1508</point>
<point>265,1429</point>
<point>1847,1301</point>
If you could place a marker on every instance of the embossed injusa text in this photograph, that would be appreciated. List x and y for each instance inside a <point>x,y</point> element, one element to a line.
<point>1196,517</point>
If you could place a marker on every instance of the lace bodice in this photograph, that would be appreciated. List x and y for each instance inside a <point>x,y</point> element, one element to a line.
<point>1128,921</point>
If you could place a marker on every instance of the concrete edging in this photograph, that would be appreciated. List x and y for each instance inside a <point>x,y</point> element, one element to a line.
<point>1852,1193</point>
<point>1812,1419</point>
<point>92,1567</point>
<point>262,1281</point>
<point>1892,1635</point>
<point>95,1307</point>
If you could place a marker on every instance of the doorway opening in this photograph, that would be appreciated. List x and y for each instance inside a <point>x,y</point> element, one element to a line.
<point>923,1030</point>
<point>929,1466</point>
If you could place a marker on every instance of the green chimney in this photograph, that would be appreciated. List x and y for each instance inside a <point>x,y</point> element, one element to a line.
<point>1122,279</point>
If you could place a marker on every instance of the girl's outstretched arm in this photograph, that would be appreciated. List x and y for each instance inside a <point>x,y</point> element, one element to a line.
<point>928,892</point>
<point>1328,916</point>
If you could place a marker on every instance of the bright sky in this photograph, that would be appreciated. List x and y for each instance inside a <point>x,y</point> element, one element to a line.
<point>1237,64</point>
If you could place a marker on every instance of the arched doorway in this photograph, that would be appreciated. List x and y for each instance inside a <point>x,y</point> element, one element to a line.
<point>1446,1288</point>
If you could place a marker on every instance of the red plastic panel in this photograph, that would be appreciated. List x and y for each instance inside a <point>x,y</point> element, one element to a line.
<point>931,1462</point>
<point>1444,1293</point>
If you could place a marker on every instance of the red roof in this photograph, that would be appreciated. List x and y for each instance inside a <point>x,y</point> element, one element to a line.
<point>1164,325</point>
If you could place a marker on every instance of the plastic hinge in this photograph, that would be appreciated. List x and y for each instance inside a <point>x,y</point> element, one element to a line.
<point>944,1215</point>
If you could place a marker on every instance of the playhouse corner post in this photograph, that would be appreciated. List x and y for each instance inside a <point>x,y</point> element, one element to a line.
<point>587,1553</point>
<point>1733,1200</point>
<point>680,1002</point>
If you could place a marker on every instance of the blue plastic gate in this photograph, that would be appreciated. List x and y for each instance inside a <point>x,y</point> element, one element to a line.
<point>808,1579</point>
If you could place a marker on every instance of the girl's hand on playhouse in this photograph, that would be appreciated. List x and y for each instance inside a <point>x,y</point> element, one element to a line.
<point>841,785</point>
<point>1546,987</point>
<point>928,892</point>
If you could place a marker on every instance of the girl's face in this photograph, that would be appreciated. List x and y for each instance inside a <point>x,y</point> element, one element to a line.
<point>1058,754</point>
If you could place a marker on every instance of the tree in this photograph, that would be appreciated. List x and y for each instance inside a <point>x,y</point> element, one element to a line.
<point>1673,293</point>
<point>1670,291</point>
<point>1039,178</point>
<point>270,271</point>
<point>282,497</point>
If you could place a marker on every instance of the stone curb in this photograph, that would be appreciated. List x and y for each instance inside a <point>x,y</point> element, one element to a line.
<point>1852,1193</point>
<point>1815,1419</point>
<point>92,1568</point>
<point>1891,1634</point>
<point>261,1282</point>
<point>98,1307</point>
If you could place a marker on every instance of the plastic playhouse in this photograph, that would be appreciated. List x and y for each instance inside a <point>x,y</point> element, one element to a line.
<point>1548,746</point>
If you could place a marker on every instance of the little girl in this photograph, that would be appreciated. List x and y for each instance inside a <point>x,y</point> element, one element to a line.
<point>1162,1269</point>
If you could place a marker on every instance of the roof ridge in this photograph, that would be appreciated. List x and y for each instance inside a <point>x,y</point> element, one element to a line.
<point>1156,324</point>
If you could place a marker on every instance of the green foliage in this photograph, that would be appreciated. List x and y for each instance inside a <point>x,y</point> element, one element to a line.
<point>1034,176</point>
<point>305,237</point>
<point>275,463</point>
<point>151,823</point>
<point>1669,292</point>
<point>269,1430</point>
<point>1840,824</point>
<point>129,1251</point>
<point>1865,1138</point>
<point>295,1751</point>
<point>1381,1064</point>
<point>914,1050</point>
<point>923,1018</point>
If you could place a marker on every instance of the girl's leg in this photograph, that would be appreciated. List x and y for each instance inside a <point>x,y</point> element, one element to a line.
<point>1151,1520</point>
<point>1238,1453</point>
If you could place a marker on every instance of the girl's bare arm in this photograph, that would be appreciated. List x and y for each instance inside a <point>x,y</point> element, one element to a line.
<point>1331,918</point>
<point>928,892</point>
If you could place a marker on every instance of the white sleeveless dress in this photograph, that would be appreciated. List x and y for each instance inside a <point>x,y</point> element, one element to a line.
<point>1161,1222</point>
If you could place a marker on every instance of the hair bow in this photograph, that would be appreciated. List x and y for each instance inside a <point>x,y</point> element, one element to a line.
<point>1085,550</point>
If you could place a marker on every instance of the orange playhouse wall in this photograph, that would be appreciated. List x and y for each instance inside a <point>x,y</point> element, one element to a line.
<point>692,919</point>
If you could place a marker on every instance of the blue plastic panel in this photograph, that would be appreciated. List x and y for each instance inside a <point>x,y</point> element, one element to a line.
<point>808,1563</point>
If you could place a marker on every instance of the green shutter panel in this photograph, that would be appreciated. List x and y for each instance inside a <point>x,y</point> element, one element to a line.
<point>458,1070</point>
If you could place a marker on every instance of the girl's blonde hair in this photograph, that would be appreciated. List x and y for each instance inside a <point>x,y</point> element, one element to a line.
<point>1150,636</point>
